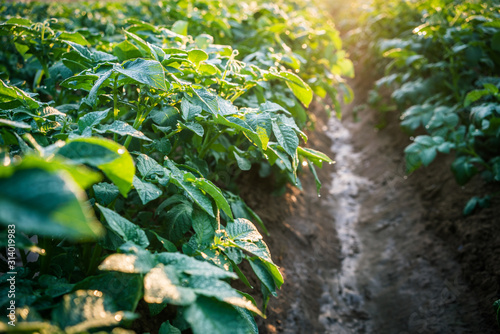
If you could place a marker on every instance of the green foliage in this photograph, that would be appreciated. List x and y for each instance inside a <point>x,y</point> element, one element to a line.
<point>441,62</point>
<point>114,137</point>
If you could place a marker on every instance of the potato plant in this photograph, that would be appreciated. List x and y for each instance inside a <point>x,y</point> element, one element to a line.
<point>442,64</point>
<point>123,127</point>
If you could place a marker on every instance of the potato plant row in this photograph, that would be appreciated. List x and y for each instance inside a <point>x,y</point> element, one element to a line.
<point>123,127</point>
<point>440,60</point>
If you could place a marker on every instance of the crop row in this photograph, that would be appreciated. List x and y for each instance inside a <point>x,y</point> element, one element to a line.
<point>440,60</point>
<point>123,127</point>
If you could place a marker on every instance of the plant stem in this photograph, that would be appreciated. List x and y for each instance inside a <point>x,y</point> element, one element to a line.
<point>46,70</point>
<point>135,126</point>
<point>207,144</point>
<point>139,119</point>
<point>127,141</point>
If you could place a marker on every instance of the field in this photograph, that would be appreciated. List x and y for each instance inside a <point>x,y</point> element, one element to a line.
<point>217,167</point>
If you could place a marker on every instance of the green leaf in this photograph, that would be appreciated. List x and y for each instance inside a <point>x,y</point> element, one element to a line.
<point>470,206</point>
<point>491,88</point>
<point>157,52</point>
<point>167,328</point>
<point>54,287</point>
<point>316,157</point>
<point>92,118</point>
<point>88,309</point>
<point>110,157</point>
<point>316,178</point>
<point>475,95</point>
<point>105,193</point>
<point>122,129</point>
<point>178,221</point>
<point>240,125</point>
<point>244,235</point>
<point>264,275</point>
<point>483,111</point>
<point>243,229</point>
<point>207,315</point>
<point>275,273</point>
<point>272,107</point>
<point>126,50</point>
<point>91,99</point>
<point>263,136</point>
<point>167,244</point>
<point>14,124</point>
<point>80,49</point>
<point>463,169</point>
<point>180,27</point>
<point>147,191</point>
<point>286,137</point>
<point>166,117</point>
<point>428,155</point>
<point>161,285</point>
<point>203,41</point>
<point>124,228</point>
<point>125,289</point>
<point>274,153</point>
<point>222,291</point>
<point>417,115</point>
<point>73,37</point>
<point>48,111</point>
<point>91,151</point>
<point>197,56</point>
<point>257,248</point>
<point>300,89</point>
<point>82,175</point>
<point>193,192</point>
<point>81,81</point>
<point>148,167</point>
<point>14,94</point>
<point>243,163</point>
<point>162,145</point>
<point>19,21</point>
<point>252,325</point>
<point>208,69</point>
<point>207,100</point>
<point>193,126</point>
<point>165,179</point>
<point>193,267</point>
<point>423,151</point>
<point>140,263</point>
<point>202,225</point>
<point>143,45</point>
<point>216,194</point>
<point>147,72</point>
<point>53,206</point>
<point>189,110</point>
